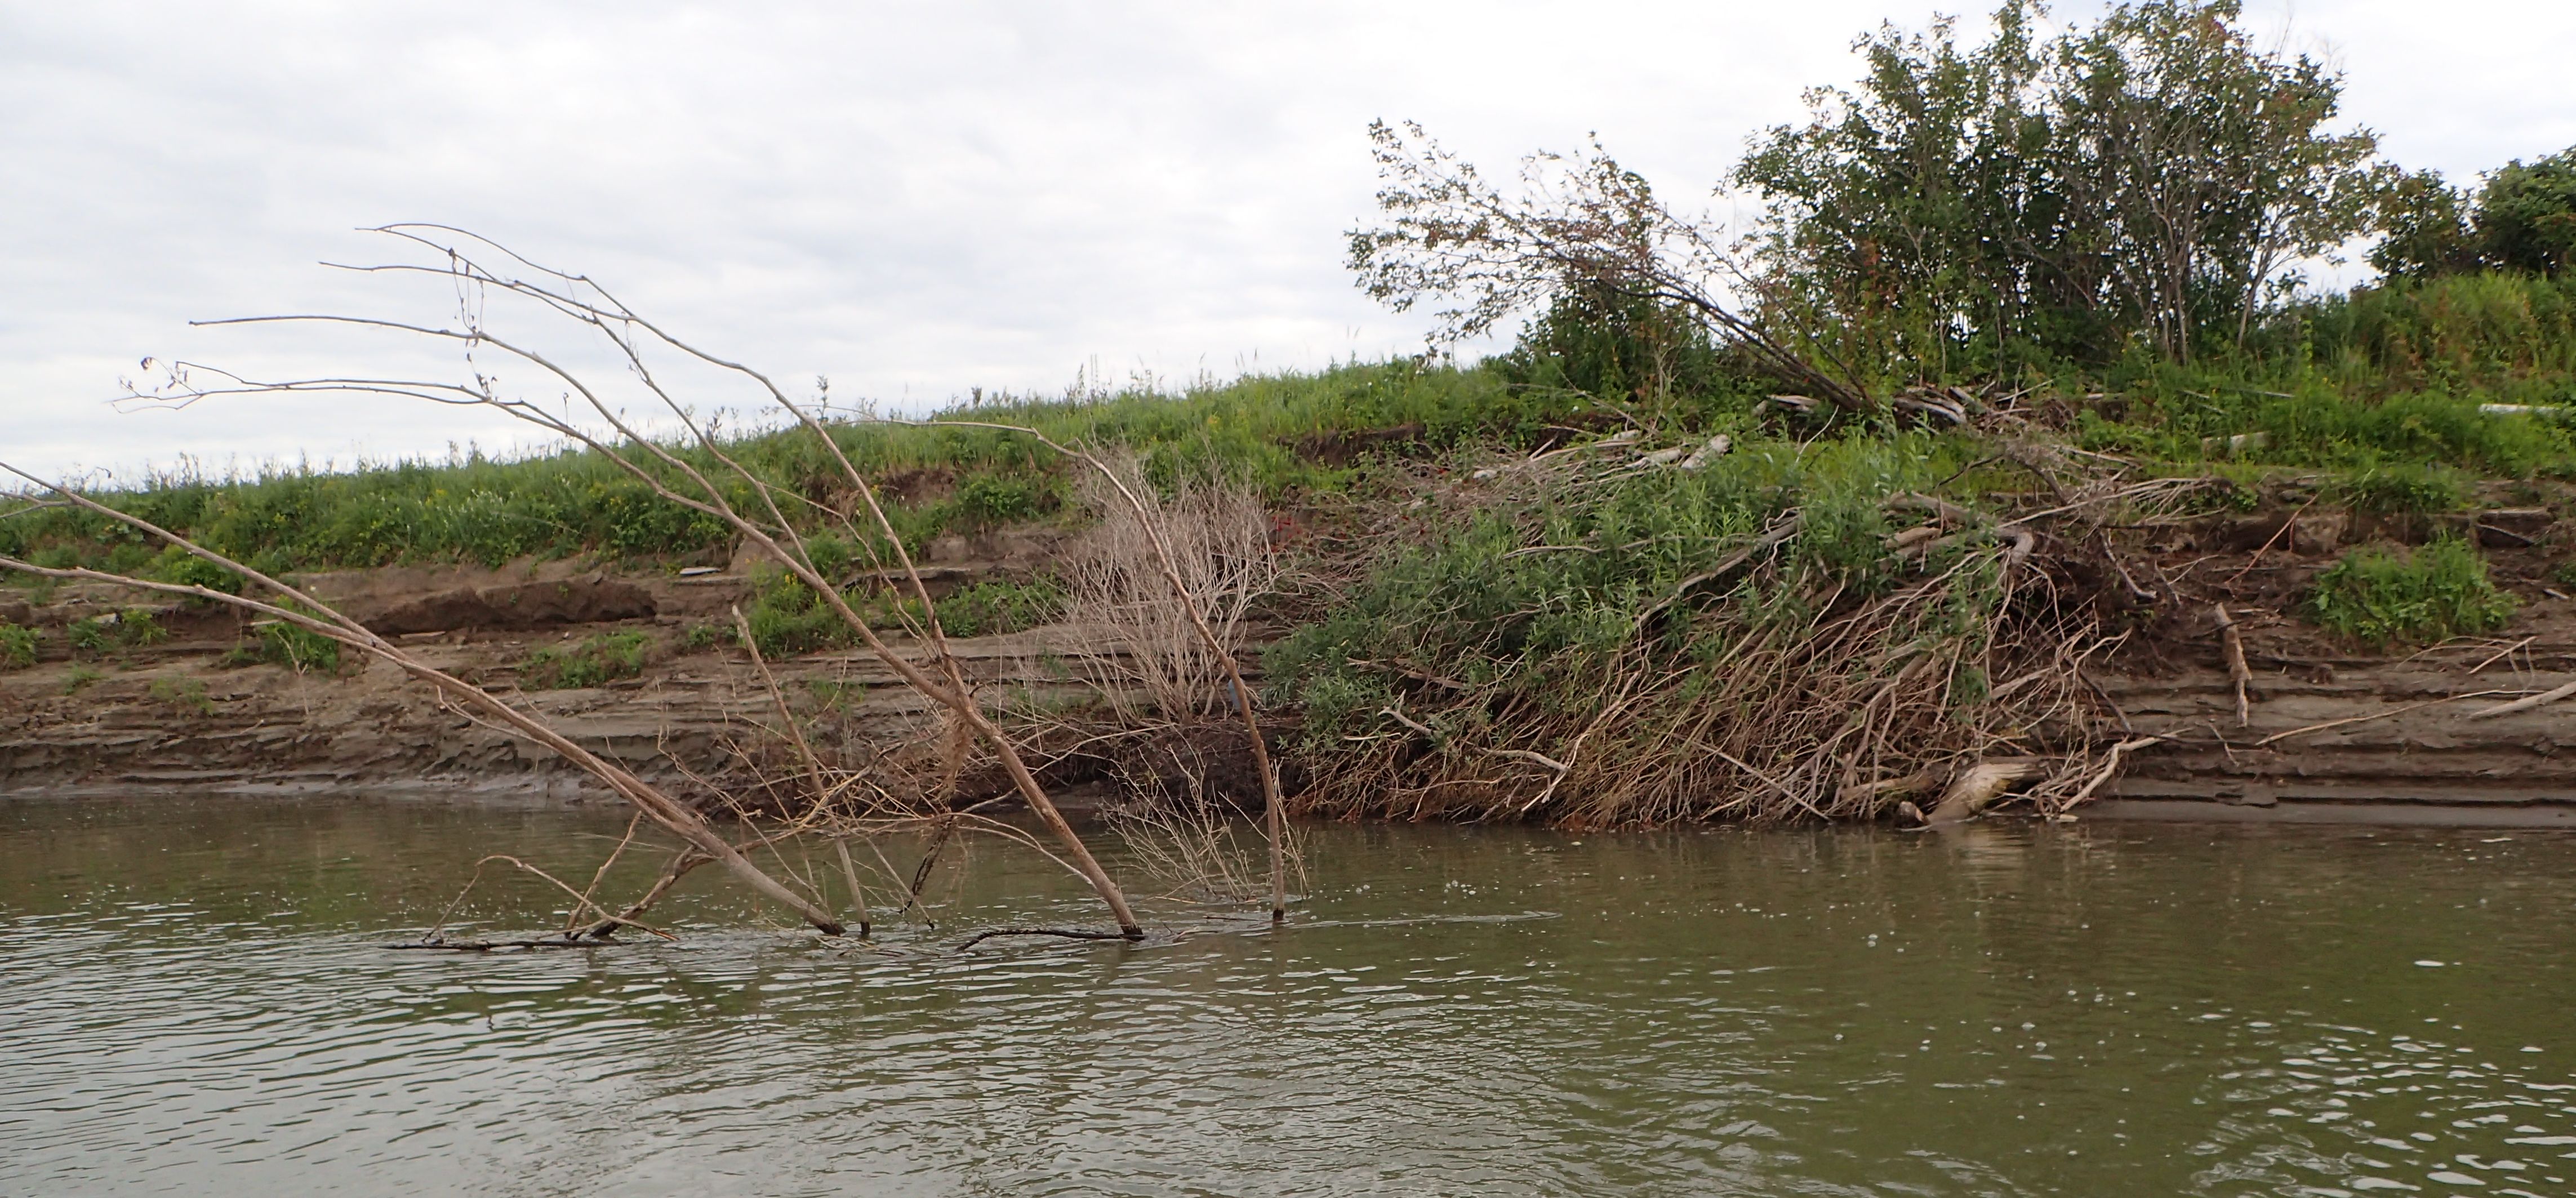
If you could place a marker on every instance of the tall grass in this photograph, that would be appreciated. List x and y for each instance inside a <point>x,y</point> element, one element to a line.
<point>944,480</point>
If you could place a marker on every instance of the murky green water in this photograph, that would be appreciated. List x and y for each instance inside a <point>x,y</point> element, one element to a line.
<point>193,999</point>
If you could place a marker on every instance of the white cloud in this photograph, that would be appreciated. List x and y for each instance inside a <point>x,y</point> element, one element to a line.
<point>912,199</point>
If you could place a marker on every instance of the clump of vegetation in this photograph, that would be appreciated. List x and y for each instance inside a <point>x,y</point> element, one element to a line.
<point>281,643</point>
<point>2382,596</point>
<point>978,609</point>
<point>590,661</point>
<point>187,569</point>
<point>80,678</point>
<point>788,618</point>
<point>115,632</point>
<point>2405,490</point>
<point>836,696</point>
<point>187,694</point>
<point>17,646</point>
<point>1643,647</point>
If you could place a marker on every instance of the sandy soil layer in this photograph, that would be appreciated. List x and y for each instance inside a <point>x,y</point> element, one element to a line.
<point>2330,734</point>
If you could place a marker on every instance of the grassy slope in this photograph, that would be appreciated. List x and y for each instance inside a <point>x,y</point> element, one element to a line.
<point>2381,390</point>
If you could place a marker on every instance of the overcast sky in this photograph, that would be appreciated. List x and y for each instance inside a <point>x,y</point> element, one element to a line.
<point>912,199</point>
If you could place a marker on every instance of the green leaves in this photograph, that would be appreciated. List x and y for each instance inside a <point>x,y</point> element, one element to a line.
<point>2378,595</point>
<point>2144,179</point>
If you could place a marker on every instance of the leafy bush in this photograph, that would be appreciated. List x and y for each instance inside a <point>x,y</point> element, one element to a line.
<point>976,609</point>
<point>17,647</point>
<point>97,636</point>
<point>291,645</point>
<point>788,618</point>
<point>187,569</point>
<point>2405,491</point>
<point>2381,596</point>
<point>587,662</point>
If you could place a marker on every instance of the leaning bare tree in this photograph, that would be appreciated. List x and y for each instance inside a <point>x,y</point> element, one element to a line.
<point>1584,224</point>
<point>700,473</point>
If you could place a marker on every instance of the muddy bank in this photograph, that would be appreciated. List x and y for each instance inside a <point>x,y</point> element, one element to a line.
<point>2331,734</point>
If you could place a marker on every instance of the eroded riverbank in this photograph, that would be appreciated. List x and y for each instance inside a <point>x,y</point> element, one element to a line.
<point>2333,734</point>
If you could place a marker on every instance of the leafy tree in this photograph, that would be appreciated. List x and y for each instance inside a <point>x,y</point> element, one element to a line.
<point>2526,215</point>
<point>2148,180</point>
<point>1586,228</point>
<point>2426,232</point>
<point>1615,347</point>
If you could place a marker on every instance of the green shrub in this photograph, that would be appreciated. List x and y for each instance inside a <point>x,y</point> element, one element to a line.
<point>187,569</point>
<point>139,627</point>
<point>788,618</point>
<point>977,609</point>
<point>588,662</point>
<point>293,646</point>
<point>97,636</point>
<point>17,647</point>
<point>90,635</point>
<point>2382,596</point>
<point>2404,490</point>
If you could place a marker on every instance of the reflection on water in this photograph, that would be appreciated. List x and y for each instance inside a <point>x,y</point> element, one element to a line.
<point>194,998</point>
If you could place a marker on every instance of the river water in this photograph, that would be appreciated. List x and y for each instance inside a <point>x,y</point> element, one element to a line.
<point>195,998</point>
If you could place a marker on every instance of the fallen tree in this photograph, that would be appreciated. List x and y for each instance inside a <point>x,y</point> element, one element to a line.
<point>753,507</point>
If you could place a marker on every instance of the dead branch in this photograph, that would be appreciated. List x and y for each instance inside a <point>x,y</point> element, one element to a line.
<point>1067,933</point>
<point>329,622</point>
<point>2238,673</point>
<point>2542,699</point>
<point>670,476</point>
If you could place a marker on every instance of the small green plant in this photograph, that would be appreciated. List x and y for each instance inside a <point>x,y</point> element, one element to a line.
<point>588,662</point>
<point>81,676</point>
<point>98,636</point>
<point>836,696</point>
<point>788,618</point>
<point>994,608</point>
<point>17,647</point>
<point>90,635</point>
<point>290,645</point>
<point>706,636</point>
<point>2382,596</point>
<point>138,627</point>
<point>2405,490</point>
<point>186,693</point>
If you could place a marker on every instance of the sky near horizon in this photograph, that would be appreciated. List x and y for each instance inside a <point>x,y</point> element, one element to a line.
<point>912,199</point>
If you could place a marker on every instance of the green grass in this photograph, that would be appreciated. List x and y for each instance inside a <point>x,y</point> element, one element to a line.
<point>17,646</point>
<point>2381,596</point>
<point>939,481</point>
<point>590,661</point>
<point>2384,377</point>
<point>186,694</point>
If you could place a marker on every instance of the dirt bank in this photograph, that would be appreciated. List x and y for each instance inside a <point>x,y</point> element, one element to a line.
<point>2331,732</point>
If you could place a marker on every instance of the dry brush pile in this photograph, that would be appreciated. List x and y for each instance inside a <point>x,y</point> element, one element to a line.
<point>1598,636</point>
